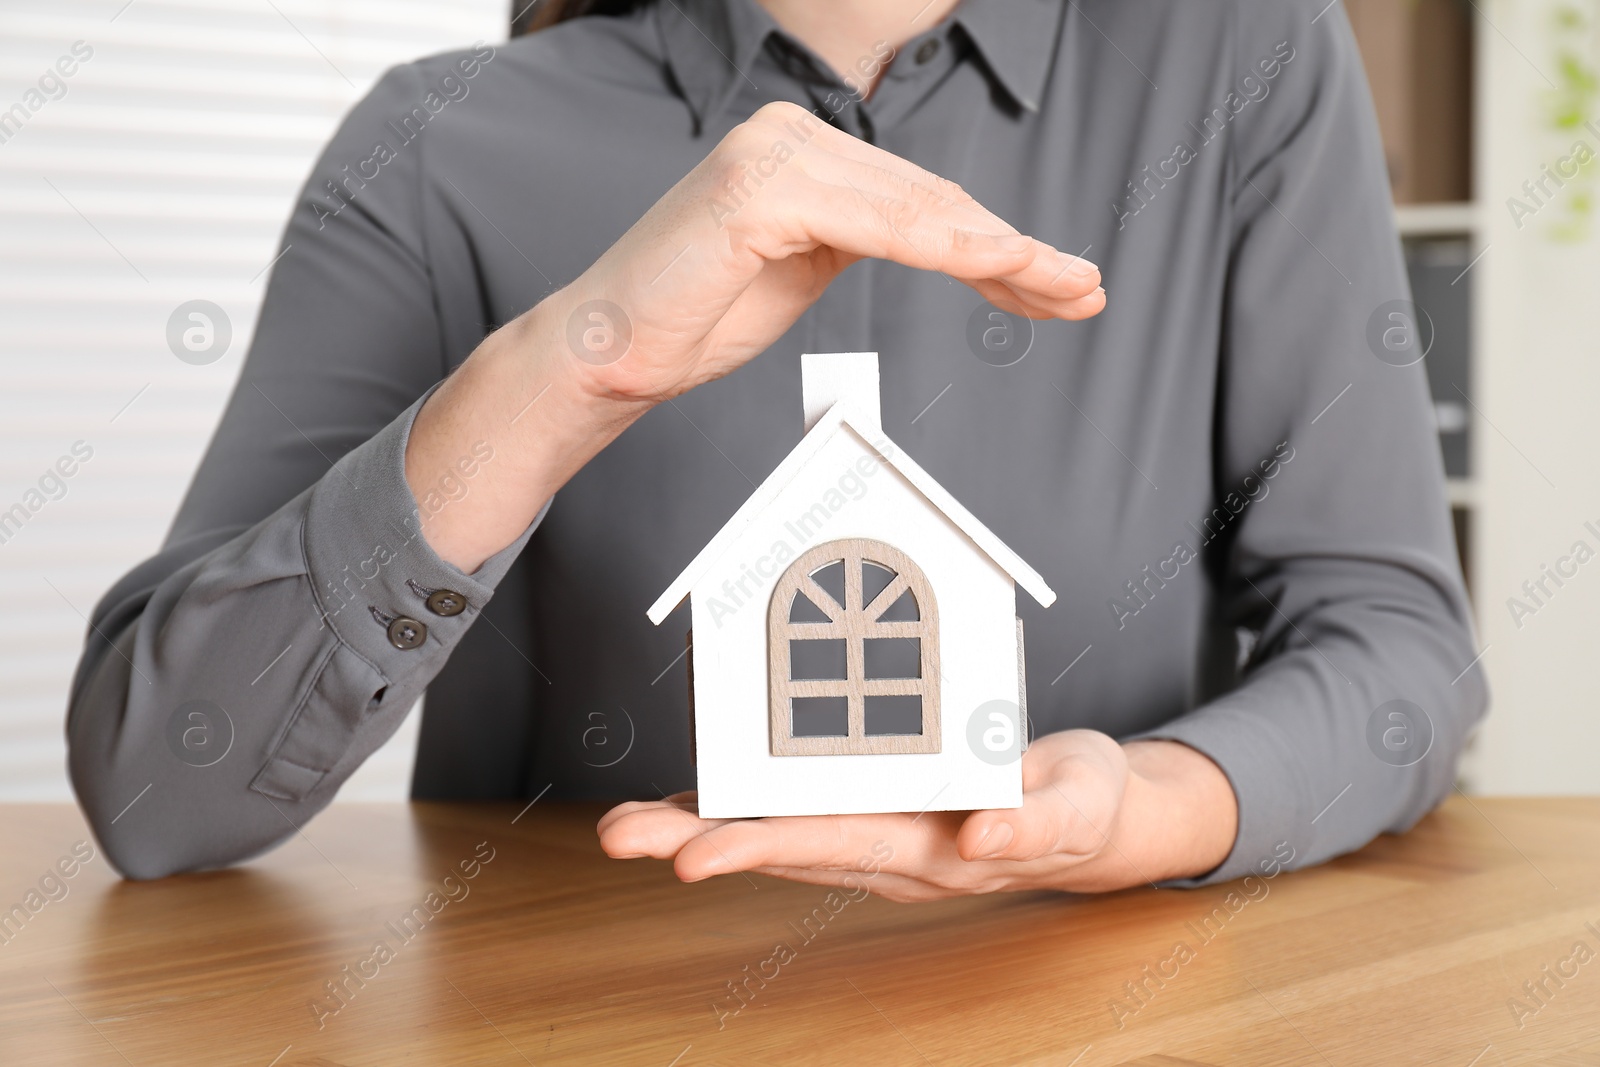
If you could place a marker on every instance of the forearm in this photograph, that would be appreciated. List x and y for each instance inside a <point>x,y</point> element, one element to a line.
<point>1371,649</point>
<point>1345,578</point>
<point>531,399</point>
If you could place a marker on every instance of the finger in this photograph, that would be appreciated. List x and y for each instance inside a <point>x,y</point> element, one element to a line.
<point>842,160</point>
<point>944,191</point>
<point>896,887</point>
<point>828,842</point>
<point>1006,298</point>
<point>827,198</point>
<point>850,880</point>
<point>660,832</point>
<point>893,219</point>
<point>1068,812</point>
<point>687,801</point>
<point>1043,826</point>
<point>863,224</point>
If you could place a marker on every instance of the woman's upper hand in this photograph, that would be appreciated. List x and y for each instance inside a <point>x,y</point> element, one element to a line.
<point>716,271</point>
<point>1095,816</point>
<point>732,255</point>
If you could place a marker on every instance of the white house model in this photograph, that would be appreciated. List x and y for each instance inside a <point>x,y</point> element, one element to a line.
<point>854,644</point>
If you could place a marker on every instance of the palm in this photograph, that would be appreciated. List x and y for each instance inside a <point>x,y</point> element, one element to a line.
<point>1073,784</point>
<point>705,317</point>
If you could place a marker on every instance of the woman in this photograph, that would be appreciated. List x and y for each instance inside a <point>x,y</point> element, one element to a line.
<point>1241,507</point>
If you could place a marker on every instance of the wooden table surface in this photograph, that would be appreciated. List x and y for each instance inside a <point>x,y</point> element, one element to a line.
<point>1414,950</point>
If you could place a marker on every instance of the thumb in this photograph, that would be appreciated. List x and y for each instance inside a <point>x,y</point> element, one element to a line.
<point>1070,811</point>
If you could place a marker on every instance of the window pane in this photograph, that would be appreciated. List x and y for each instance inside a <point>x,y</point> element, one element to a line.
<point>875,578</point>
<point>824,716</point>
<point>803,610</point>
<point>831,578</point>
<point>893,715</point>
<point>902,610</point>
<point>817,660</point>
<point>892,657</point>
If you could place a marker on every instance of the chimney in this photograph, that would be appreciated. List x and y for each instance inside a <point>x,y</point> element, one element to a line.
<point>829,378</point>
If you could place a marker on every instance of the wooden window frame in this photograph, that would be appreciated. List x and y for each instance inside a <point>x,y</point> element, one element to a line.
<point>854,623</point>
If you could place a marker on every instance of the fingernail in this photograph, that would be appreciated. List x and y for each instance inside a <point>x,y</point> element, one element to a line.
<point>995,841</point>
<point>1014,242</point>
<point>1076,265</point>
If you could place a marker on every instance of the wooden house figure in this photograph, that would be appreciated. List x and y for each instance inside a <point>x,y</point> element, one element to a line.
<point>854,643</point>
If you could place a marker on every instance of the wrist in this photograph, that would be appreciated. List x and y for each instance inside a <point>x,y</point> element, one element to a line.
<point>1180,812</point>
<point>536,361</point>
<point>587,348</point>
<point>520,395</point>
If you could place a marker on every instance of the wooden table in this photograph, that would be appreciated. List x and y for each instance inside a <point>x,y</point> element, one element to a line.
<point>1411,951</point>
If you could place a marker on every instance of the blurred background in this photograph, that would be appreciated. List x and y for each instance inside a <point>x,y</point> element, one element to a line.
<point>149,151</point>
<point>159,173</point>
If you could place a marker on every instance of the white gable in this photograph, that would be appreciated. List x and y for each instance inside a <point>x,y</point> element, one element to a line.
<point>843,493</point>
<point>845,376</point>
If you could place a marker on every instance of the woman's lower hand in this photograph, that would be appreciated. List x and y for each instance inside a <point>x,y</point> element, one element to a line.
<point>1095,816</point>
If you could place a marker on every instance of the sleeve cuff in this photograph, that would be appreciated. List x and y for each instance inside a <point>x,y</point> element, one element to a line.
<point>395,609</point>
<point>369,563</point>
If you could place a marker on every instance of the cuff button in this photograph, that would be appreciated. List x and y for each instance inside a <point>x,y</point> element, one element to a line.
<point>406,634</point>
<point>446,602</point>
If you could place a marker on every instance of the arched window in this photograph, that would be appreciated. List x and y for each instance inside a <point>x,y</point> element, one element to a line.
<point>853,653</point>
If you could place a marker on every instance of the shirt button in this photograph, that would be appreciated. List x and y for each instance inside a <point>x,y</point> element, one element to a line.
<point>446,602</point>
<point>406,634</point>
<point>927,50</point>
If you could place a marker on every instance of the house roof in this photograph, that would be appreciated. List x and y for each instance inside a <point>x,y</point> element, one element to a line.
<point>845,416</point>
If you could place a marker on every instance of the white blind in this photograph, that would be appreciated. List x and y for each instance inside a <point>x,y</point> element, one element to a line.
<point>159,171</point>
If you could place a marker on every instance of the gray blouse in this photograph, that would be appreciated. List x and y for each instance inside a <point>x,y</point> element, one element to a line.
<point>1239,504</point>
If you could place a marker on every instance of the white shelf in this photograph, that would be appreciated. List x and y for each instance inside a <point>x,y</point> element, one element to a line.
<point>1436,220</point>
